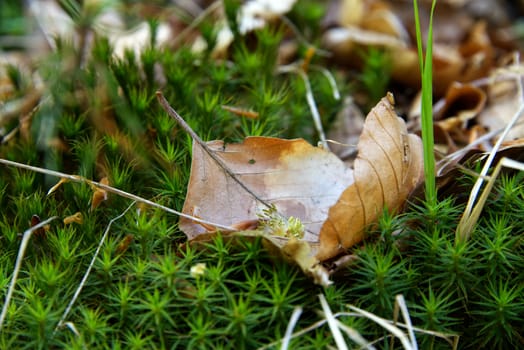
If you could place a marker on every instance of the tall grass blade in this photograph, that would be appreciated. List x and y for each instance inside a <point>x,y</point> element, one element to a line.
<point>426,69</point>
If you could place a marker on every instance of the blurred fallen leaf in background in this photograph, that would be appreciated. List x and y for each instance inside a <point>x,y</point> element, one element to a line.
<point>346,130</point>
<point>504,100</point>
<point>462,103</point>
<point>463,50</point>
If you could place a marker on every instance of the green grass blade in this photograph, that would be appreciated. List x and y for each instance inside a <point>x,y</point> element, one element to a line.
<point>426,68</point>
<point>418,33</point>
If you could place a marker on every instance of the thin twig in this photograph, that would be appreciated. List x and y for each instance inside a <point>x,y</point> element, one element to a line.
<point>386,324</point>
<point>291,325</point>
<point>302,39</point>
<point>455,156</point>
<point>329,77</point>
<point>303,331</point>
<point>354,335</point>
<point>401,302</point>
<point>80,179</point>
<point>206,12</point>
<point>463,236</point>
<point>443,336</point>
<point>332,323</point>
<point>90,267</point>
<point>292,68</point>
<point>18,264</point>
<point>466,224</point>
<point>173,114</point>
<point>451,339</point>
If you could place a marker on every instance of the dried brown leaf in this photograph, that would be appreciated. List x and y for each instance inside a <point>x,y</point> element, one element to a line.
<point>300,180</point>
<point>124,244</point>
<point>41,232</point>
<point>462,103</point>
<point>76,218</point>
<point>388,167</point>
<point>504,101</point>
<point>99,194</point>
<point>452,168</point>
<point>304,182</point>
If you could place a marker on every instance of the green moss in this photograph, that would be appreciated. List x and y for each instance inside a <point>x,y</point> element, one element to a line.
<point>141,292</point>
